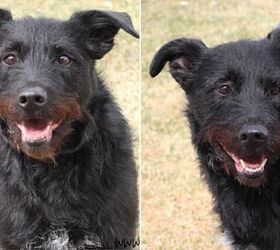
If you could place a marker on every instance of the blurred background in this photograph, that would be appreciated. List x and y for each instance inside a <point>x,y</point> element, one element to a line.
<point>176,205</point>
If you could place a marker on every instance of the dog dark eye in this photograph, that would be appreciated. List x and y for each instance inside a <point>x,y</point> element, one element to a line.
<point>224,90</point>
<point>275,90</point>
<point>65,60</point>
<point>10,60</point>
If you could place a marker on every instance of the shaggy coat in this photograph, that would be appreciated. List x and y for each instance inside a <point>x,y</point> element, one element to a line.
<point>67,172</point>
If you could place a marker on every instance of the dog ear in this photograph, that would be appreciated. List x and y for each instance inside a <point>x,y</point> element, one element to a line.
<point>5,16</point>
<point>98,29</point>
<point>182,55</point>
<point>274,35</point>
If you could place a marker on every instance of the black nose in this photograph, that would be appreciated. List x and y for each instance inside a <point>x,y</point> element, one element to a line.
<point>34,96</point>
<point>253,133</point>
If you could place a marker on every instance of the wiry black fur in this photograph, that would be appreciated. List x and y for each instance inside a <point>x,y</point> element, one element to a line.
<point>86,194</point>
<point>249,206</point>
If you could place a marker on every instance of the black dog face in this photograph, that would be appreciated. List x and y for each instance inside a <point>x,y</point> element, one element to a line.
<point>47,74</point>
<point>234,101</point>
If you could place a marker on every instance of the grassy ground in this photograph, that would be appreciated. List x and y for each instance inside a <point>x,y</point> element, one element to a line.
<point>176,205</point>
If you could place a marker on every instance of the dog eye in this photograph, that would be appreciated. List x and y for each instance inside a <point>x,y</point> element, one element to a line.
<point>10,60</point>
<point>275,90</point>
<point>65,60</point>
<point>224,90</point>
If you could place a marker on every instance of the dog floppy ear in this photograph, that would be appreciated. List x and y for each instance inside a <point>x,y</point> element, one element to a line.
<point>182,55</point>
<point>274,35</point>
<point>98,29</point>
<point>5,16</point>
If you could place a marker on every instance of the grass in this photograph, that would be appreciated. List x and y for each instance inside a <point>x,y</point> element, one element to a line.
<point>176,205</point>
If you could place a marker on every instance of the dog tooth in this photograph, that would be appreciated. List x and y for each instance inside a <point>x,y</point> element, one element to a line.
<point>243,163</point>
<point>254,170</point>
<point>264,162</point>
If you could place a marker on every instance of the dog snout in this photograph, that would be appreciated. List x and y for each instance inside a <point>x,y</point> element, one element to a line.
<point>253,134</point>
<point>35,96</point>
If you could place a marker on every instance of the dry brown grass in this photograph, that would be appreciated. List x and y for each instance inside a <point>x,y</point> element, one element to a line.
<point>176,206</point>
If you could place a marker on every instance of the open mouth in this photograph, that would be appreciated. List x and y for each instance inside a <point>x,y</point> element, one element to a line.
<point>252,169</point>
<point>36,131</point>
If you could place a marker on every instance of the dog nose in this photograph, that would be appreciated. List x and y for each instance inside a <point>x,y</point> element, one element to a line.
<point>35,96</point>
<point>253,133</point>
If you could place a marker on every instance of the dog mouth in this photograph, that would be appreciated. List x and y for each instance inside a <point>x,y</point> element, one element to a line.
<point>37,131</point>
<point>250,168</point>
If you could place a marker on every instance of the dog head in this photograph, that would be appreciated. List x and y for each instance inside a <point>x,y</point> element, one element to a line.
<point>234,101</point>
<point>47,75</point>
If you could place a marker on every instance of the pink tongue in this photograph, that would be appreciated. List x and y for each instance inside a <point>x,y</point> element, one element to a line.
<point>253,165</point>
<point>35,130</point>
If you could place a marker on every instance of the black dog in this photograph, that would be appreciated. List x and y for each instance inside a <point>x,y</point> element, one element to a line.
<point>234,112</point>
<point>67,173</point>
